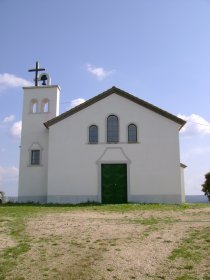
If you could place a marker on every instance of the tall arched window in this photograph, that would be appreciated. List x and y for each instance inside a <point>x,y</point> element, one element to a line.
<point>45,105</point>
<point>112,129</point>
<point>93,134</point>
<point>132,133</point>
<point>34,106</point>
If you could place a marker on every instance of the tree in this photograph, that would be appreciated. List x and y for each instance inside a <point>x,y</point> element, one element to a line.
<point>206,186</point>
<point>1,197</point>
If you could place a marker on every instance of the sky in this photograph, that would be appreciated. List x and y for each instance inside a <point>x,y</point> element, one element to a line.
<point>157,50</point>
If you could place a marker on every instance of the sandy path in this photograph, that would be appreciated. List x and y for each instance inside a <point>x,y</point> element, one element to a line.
<point>102,245</point>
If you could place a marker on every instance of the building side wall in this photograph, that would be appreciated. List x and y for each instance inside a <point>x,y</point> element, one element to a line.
<point>153,162</point>
<point>182,183</point>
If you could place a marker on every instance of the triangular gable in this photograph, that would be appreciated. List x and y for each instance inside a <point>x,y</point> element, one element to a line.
<point>115,90</point>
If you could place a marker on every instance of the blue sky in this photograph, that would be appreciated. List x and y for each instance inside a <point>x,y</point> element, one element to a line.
<point>158,50</point>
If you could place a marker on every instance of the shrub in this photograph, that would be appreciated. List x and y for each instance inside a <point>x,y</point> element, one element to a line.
<point>206,186</point>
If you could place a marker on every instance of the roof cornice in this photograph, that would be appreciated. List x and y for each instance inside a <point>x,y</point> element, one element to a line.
<point>122,94</point>
<point>42,87</point>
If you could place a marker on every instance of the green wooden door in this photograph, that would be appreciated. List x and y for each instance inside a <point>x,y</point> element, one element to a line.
<point>114,183</point>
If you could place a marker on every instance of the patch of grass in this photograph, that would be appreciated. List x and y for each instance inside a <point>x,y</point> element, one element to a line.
<point>107,207</point>
<point>147,222</point>
<point>186,277</point>
<point>194,254</point>
<point>15,228</point>
<point>9,257</point>
<point>14,252</point>
<point>151,224</point>
<point>193,246</point>
<point>188,267</point>
<point>151,221</point>
<point>145,234</point>
<point>147,207</point>
<point>110,269</point>
<point>19,278</point>
<point>185,253</point>
<point>148,231</point>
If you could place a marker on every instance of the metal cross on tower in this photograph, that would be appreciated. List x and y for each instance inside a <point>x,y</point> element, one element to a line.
<point>36,70</point>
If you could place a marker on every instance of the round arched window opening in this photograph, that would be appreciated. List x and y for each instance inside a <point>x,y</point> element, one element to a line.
<point>112,129</point>
<point>34,106</point>
<point>132,133</point>
<point>45,106</point>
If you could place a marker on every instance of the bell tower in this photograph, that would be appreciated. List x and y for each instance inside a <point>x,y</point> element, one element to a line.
<point>40,104</point>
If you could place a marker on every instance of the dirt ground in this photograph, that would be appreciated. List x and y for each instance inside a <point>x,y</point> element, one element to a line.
<point>107,245</point>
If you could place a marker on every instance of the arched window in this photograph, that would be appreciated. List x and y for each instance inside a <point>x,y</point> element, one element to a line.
<point>45,106</point>
<point>93,134</point>
<point>112,129</point>
<point>34,106</point>
<point>132,133</point>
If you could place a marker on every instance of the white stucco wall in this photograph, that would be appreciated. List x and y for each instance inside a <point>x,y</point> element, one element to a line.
<point>33,179</point>
<point>182,167</point>
<point>153,162</point>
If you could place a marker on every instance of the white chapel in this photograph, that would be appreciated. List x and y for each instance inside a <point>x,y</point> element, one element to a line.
<point>113,148</point>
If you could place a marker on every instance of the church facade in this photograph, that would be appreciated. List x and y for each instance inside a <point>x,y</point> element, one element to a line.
<point>113,148</point>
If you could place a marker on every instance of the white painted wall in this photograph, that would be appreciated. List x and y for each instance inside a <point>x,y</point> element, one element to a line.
<point>153,162</point>
<point>182,167</point>
<point>33,179</point>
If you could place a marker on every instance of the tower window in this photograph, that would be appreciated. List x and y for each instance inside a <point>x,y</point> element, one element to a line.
<point>35,157</point>
<point>45,105</point>
<point>34,106</point>
<point>93,134</point>
<point>112,129</point>
<point>132,133</point>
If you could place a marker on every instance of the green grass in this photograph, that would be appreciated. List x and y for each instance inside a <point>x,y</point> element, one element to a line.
<point>186,277</point>
<point>14,219</point>
<point>104,207</point>
<point>192,247</point>
<point>185,253</point>
<point>188,267</point>
<point>194,252</point>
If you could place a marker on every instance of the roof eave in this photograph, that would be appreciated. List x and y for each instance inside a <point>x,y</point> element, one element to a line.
<point>122,93</point>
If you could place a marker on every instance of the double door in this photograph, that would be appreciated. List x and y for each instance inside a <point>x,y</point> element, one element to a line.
<point>114,183</point>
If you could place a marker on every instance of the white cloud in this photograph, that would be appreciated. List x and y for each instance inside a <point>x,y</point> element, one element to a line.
<point>8,174</point>
<point>77,102</point>
<point>8,119</point>
<point>196,125</point>
<point>98,72</point>
<point>12,81</point>
<point>15,130</point>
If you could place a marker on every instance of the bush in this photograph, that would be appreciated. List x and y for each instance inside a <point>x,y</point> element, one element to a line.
<point>206,186</point>
<point>2,197</point>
